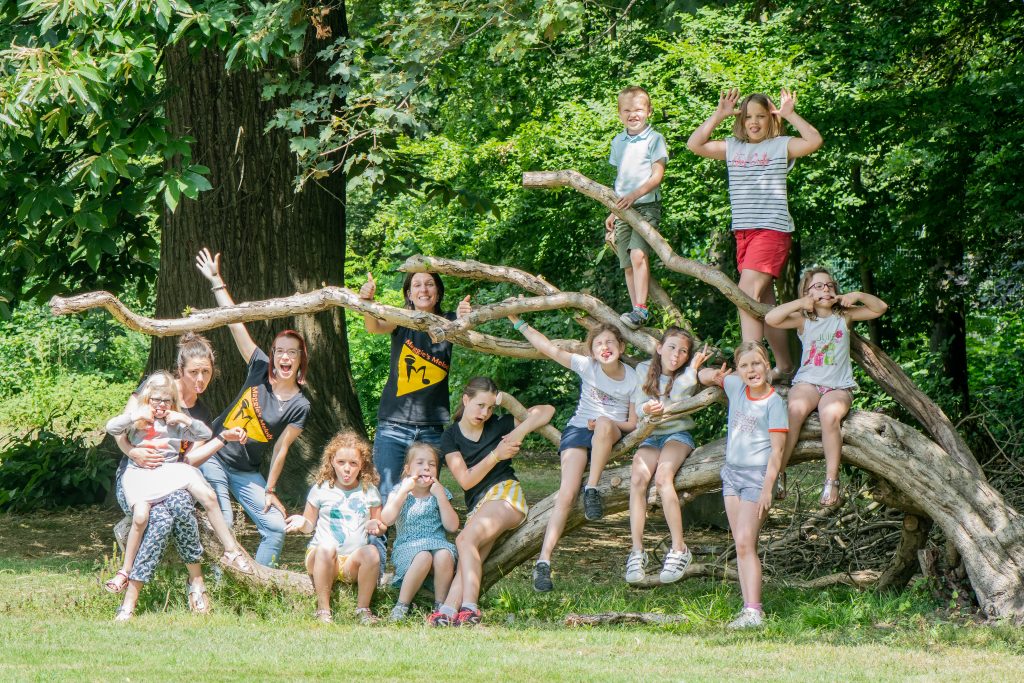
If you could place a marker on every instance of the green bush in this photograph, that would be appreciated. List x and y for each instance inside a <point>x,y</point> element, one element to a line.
<point>64,402</point>
<point>43,469</point>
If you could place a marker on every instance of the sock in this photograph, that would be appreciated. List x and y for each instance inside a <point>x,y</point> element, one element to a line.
<point>437,605</point>
<point>543,562</point>
<point>471,606</point>
<point>753,605</point>
<point>447,611</point>
<point>402,606</point>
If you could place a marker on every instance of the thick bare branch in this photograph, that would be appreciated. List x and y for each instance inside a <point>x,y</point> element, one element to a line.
<point>519,412</point>
<point>474,270</point>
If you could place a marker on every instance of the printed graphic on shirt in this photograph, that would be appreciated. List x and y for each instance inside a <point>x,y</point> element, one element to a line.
<point>598,395</point>
<point>743,423</point>
<point>418,370</point>
<point>344,515</point>
<point>156,437</point>
<point>247,415</point>
<point>823,349</point>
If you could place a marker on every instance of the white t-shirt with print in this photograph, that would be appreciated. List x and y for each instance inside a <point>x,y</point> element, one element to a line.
<point>751,421</point>
<point>600,395</point>
<point>342,516</point>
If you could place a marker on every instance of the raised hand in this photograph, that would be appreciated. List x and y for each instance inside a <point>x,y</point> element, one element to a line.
<point>208,265</point>
<point>720,374</point>
<point>727,100</point>
<point>464,308</point>
<point>507,449</point>
<point>143,413</point>
<point>654,407</point>
<point>369,288</point>
<point>787,103</point>
<point>848,300</point>
<point>807,303</point>
<point>437,490</point>
<point>700,358</point>
<point>173,417</point>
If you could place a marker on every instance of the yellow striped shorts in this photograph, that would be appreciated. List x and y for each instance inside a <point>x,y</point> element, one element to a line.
<point>509,491</point>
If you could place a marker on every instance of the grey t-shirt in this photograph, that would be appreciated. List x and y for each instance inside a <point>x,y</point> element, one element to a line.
<point>684,385</point>
<point>260,414</point>
<point>635,156</point>
<point>757,183</point>
<point>600,395</point>
<point>167,439</point>
<point>751,421</point>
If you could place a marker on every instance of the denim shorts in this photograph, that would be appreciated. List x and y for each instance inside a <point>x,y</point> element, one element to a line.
<point>743,482</point>
<point>658,441</point>
<point>575,437</point>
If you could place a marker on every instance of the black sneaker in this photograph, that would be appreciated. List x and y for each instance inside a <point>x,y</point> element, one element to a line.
<point>593,507</point>
<point>542,577</point>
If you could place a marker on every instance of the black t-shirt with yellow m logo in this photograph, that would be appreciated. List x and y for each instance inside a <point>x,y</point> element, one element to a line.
<point>417,388</point>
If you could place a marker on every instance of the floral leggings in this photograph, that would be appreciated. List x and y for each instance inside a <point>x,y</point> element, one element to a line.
<point>175,515</point>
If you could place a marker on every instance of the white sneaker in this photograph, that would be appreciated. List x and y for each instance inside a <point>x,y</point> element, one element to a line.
<point>748,618</point>
<point>676,562</point>
<point>635,564</point>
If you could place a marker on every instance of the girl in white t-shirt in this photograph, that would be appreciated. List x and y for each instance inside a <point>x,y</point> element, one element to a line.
<point>605,412</point>
<point>824,380</point>
<point>758,157</point>
<point>343,508</point>
<point>753,456</point>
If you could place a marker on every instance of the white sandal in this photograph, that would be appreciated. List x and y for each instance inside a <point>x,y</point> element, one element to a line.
<point>237,560</point>
<point>198,601</point>
<point>830,486</point>
<point>124,613</point>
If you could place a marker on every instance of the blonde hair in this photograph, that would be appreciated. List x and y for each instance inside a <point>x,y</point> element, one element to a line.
<point>739,130</point>
<point>348,439</point>
<point>747,347</point>
<point>633,91</point>
<point>160,381</point>
<point>410,453</point>
<point>805,283</point>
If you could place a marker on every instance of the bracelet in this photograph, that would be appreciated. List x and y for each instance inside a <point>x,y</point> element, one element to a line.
<point>218,288</point>
<point>519,325</point>
<point>220,437</point>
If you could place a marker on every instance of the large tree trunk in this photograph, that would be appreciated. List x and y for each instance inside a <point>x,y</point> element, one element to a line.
<point>274,241</point>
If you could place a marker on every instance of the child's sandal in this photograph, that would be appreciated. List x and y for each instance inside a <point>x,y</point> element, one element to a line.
<point>124,613</point>
<point>114,585</point>
<point>780,487</point>
<point>324,616</point>
<point>198,601</point>
<point>831,488</point>
<point>238,561</point>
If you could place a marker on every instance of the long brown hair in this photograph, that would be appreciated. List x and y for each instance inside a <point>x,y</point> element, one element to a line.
<point>805,283</point>
<point>407,285</point>
<point>348,439</point>
<point>739,129</point>
<point>473,387</point>
<point>192,347</point>
<point>597,331</point>
<point>652,383</point>
<point>300,374</point>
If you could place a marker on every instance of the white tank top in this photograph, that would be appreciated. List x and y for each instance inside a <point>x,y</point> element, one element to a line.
<point>825,360</point>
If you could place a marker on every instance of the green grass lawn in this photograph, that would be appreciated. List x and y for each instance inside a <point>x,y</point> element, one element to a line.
<point>55,622</point>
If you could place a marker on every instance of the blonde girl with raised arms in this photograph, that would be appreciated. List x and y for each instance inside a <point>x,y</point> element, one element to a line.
<point>478,449</point>
<point>157,422</point>
<point>665,380</point>
<point>421,506</point>
<point>342,510</point>
<point>604,414</point>
<point>824,380</point>
<point>758,157</point>
<point>755,441</point>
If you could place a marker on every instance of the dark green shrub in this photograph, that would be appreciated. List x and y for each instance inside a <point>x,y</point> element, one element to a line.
<point>43,469</point>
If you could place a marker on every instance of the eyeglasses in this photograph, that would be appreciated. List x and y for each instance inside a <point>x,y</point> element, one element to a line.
<point>291,353</point>
<point>161,401</point>
<point>822,286</point>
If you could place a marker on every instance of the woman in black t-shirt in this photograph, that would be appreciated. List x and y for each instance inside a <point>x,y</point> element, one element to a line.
<point>414,402</point>
<point>478,450</point>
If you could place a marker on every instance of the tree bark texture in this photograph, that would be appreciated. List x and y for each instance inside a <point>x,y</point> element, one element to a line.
<point>274,241</point>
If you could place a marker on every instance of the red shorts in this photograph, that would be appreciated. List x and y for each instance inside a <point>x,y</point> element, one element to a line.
<point>762,250</point>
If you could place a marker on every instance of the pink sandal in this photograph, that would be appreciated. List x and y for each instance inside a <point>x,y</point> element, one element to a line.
<point>113,585</point>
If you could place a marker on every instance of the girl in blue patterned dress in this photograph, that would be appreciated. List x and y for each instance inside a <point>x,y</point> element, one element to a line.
<point>424,512</point>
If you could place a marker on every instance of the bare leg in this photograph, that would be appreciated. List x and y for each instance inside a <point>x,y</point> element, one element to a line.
<point>628,272</point>
<point>205,496</point>
<point>640,476</point>
<point>641,277</point>
<point>670,460</point>
<point>322,566</point>
<point>832,408</point>
<point>417,572</point>
<point>494,518</point>
<point>759,286</point>
<point>140,520</point>
<point>606,434</point>
<point>803,399</point>
<point>444,574</point>
<point>131,595</point>
<point>745,524</point>
<point>363,568</point>
<point>574,461</point>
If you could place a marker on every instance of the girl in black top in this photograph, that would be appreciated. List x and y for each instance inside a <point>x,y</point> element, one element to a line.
<point>478,450</point>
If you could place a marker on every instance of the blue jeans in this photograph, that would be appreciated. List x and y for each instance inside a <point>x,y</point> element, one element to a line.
<point>248,489</point>
<point>393,439</point>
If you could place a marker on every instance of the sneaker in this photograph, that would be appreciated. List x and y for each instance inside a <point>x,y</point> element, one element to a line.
<point>399,612</point>
<point>439,618</point>
<point>542,577</point>
<point>635,564</point>
<point>593,507</point>
<point>676,562</point>
<point>748,618</point>
<point>366,617</point>
<point>468,617</point>
<point>635,318</point>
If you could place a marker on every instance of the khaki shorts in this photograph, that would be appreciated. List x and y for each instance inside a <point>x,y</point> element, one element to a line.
<point>627,239</point>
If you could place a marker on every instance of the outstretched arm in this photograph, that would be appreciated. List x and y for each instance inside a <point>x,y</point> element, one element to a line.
<point>789,316</point>
<point>367,292</point>
<point>700,142</point>
<point>713,377</point>
<point>862,306</point>
<point>209,266</point>
<point>810,139</point>
<point>542,343</point>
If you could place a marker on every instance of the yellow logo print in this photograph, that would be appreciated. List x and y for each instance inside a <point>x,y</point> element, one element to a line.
<point>244,414</point>
<point>416,373</point>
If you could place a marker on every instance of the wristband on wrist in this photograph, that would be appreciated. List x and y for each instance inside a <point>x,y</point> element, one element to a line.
<point>220,437</point>
<point>270,490</point>
<point>519,325</point>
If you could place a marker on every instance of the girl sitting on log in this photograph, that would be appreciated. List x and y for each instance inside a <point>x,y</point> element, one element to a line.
<point>753,456</point>
<point>666,379</point>
<point>478,450</point>
<point>824,380</point>
<point>421,506</point>
<point>342,508</point>
<point>158,423</point>
<point>605,412</point>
